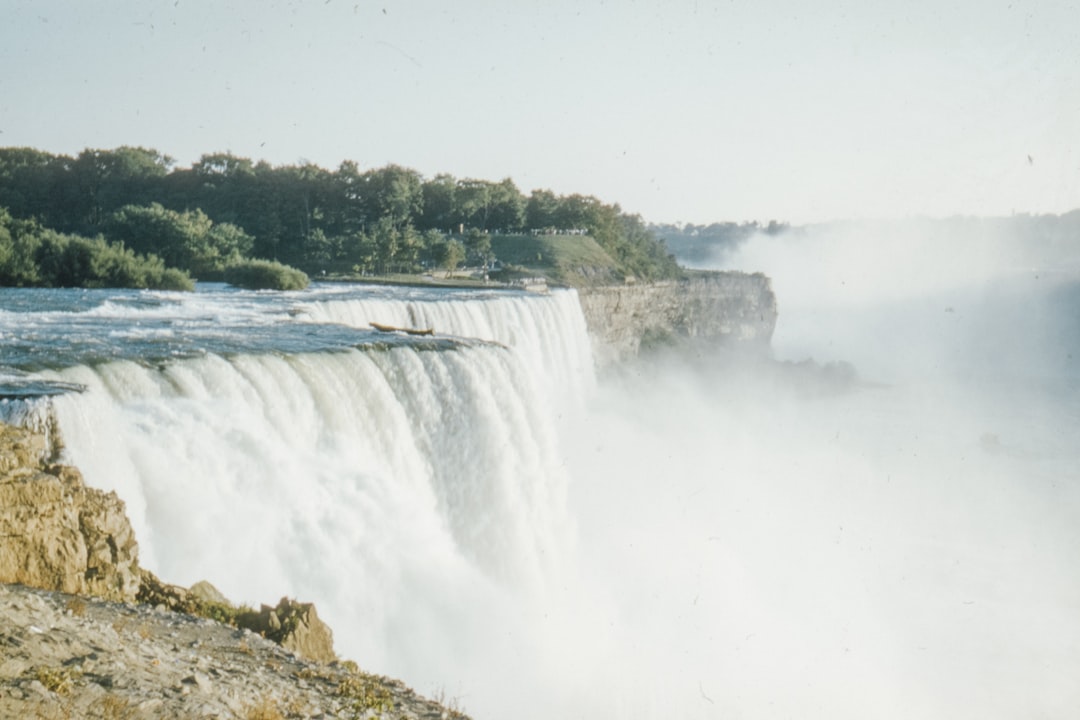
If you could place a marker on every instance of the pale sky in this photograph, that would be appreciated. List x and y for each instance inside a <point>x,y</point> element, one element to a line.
<point>679,110</point>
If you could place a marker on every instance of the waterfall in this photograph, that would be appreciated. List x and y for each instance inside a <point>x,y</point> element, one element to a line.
<point>369,480</point>
<point>547,331</point>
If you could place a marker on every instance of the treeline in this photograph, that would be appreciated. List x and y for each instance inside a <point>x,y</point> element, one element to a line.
<point>224,207</point>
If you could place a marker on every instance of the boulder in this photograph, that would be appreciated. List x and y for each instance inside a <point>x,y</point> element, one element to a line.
<point>207,594</point>
<point>296,627</point>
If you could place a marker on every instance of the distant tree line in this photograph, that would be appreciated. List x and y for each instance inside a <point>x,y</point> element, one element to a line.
<point>225,208</point>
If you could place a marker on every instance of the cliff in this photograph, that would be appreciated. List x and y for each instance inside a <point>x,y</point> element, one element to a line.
<point>720,306</point>
<point>55,532</point>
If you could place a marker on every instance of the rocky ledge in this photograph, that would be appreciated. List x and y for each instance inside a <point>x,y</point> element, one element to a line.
<point>726,307</point>
<point>86,633</point>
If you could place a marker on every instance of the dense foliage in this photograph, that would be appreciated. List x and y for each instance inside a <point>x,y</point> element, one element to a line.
<point>265,275</point>
<point>33,256</point>
<point>225,207</point>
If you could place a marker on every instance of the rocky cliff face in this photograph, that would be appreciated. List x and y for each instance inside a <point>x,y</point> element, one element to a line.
<point>55,532</point>
<point>722,306</point>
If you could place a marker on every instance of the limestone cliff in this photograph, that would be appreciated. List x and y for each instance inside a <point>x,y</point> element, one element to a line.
<point>720,306</point>
<point>55,532</point>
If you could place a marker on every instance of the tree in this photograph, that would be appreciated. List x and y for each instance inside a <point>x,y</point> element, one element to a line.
<point>439,209</point>
<point>37,184</point>
<point>393,193</point>
<point>541,210</point>
<point>507,207</point>
<point>478,245</point>
<point>446,253</point>
<point>346,211</point>
<point>453,256</point>
<point>109,179</point>
<point>490,206</point>
<point>187,240</point>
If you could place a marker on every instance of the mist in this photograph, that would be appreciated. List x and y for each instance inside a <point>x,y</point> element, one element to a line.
<point>896,539</point>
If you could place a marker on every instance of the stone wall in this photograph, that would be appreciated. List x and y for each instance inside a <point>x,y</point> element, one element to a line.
<point>720,306</point>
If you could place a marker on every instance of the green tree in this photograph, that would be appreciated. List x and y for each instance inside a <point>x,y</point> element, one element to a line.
<point>452,255</point>
<point>394,194</point>
<point>439,204</point>
<point>507,207</point>
<point>109,179</point>
<point>36,184</point>
<point>478,245</point>
<point>541,210</point>
<point>187,240</point>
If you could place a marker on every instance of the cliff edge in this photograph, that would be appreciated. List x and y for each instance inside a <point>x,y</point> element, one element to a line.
<point>730,307</point>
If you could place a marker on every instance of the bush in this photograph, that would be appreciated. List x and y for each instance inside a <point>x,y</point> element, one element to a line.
<point>265,275</point>
<point>33,256</point>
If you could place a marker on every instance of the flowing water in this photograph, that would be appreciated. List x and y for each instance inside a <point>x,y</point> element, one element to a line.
<point>698,536</point>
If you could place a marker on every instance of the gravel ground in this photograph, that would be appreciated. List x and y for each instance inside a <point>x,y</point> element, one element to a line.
<point>66,656</point>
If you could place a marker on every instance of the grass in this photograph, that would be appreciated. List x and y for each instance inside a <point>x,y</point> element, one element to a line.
<point>365,693</point>
<point>265,709</point>
<point>567,259</point>
<point>58,680</point>
<point>452,705</point>
<point>76,606</point>
<point>114,707</point>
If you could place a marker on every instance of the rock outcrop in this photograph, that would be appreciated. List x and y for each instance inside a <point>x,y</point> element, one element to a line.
<point>295,626</point>
<point>721,306</point>
<point>55,532</point>
<point>58,534</point>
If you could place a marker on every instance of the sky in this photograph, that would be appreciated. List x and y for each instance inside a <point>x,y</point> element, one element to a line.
<point>677,110</point>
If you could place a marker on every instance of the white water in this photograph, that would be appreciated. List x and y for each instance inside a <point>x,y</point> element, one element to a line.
<point>547,333</point>
<point>689,539</point>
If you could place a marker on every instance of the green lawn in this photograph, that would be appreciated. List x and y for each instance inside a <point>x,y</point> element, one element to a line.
<point>566,259</point>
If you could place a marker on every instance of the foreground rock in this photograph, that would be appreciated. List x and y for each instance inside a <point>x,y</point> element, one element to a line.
<point>64,656</point>
<point>293,625</point>
<point>57,533</point>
